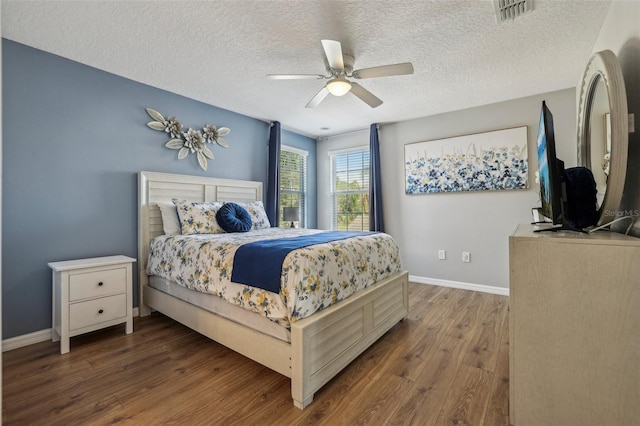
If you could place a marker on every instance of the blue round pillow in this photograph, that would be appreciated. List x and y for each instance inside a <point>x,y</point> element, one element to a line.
<point>233,218</point>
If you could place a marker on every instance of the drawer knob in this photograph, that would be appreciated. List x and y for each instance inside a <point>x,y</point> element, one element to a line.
<point>100,284</point>
<point>101,311</point>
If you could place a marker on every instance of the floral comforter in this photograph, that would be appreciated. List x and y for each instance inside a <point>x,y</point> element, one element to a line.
<point>313,277</point>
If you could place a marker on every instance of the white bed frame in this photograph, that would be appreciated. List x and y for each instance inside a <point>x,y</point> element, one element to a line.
<point>321,345</point>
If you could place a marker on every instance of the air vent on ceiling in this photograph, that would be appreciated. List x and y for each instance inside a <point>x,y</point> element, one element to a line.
<point>508,10</point>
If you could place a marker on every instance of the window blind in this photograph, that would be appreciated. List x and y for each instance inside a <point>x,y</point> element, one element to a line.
<point>350,190</point>
<point>293,183</point>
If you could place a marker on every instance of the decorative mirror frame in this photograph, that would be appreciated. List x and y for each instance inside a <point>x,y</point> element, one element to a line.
<point>604,65</point>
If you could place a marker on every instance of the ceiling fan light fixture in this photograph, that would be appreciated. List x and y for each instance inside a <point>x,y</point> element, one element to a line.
<point>340,66</point>
<point>338,86</point>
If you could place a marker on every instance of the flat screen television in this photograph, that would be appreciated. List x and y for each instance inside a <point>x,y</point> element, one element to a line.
<point>553,193</point>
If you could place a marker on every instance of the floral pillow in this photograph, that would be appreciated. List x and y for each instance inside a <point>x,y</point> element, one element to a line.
<point>259,217</point>
<point>198,218</point>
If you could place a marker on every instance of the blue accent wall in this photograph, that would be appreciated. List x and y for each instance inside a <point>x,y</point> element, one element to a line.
<point>74,139</point>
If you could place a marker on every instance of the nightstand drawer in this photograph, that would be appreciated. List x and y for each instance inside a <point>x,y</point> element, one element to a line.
<point>84,314</point>
<point>97,284</point>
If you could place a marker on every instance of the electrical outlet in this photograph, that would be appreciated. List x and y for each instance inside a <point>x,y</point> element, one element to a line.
<point>466,257</point>
<point>442,254</point>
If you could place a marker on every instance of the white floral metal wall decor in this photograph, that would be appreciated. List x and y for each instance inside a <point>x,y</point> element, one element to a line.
<point>191,141</point>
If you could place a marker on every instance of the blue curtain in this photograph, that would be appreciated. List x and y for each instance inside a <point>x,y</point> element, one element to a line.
<point>272,204</point>
<point>376,218</point>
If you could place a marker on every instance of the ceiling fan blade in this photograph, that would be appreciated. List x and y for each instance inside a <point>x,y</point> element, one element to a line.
<point>333,51</point>
<point>384,71</point>
<point>295,76</point>
<point>318,98</point>
<point>366,96</point>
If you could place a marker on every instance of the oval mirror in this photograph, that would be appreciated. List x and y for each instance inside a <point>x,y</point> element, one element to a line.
<point>603,136</point>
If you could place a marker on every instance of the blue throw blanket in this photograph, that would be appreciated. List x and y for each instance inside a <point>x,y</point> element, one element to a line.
<point>259,264</point>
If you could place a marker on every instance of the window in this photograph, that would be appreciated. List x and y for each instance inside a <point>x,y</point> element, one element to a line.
<point>293,183</point>
<point>350,189</point>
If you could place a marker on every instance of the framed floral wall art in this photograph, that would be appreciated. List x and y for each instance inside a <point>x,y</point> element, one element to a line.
<point>487,161</point>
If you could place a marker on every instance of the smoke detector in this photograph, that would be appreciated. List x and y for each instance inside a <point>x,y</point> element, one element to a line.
<point>508,10</point>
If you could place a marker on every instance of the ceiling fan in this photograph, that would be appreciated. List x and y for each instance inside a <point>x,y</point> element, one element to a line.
<point>340,68</point>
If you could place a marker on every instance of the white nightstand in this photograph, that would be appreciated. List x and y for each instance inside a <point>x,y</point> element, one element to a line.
<point>90,294</point>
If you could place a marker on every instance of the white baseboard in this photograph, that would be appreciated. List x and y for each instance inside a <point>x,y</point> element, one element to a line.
<point>26,340</point>
<point>33,338</point>
<point>462,285</point>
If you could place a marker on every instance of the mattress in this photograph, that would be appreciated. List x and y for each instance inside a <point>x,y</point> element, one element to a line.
<point>215,304</point>
<point>312,278</point>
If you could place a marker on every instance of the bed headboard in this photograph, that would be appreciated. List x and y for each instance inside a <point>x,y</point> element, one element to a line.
<point>156,187</point>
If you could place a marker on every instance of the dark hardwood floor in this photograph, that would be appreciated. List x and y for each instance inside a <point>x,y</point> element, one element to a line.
<point>446,364</point>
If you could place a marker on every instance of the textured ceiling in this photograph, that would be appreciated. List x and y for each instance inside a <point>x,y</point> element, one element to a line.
<point>219,52</point>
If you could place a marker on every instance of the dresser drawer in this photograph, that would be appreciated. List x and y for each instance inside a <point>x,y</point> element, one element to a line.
<point>97,284</point>
<point>84,314</point>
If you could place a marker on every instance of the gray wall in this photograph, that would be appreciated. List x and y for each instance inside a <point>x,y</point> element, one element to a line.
<point>478,222</point>
<point>74,139</point>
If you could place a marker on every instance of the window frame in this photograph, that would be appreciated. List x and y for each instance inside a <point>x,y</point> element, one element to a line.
<point>365,191</point>
<point>302,204</point>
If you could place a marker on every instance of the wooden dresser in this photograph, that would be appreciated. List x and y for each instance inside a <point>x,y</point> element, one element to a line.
<point>574,328</point>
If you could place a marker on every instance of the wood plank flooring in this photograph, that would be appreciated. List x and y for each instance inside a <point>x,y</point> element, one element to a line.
<point>447,364</point>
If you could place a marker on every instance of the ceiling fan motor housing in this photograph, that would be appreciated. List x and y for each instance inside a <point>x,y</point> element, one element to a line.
<point>349,61</point>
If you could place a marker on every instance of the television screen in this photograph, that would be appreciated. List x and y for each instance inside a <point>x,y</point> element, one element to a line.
<point>550,169</point>
<point>568,196</point>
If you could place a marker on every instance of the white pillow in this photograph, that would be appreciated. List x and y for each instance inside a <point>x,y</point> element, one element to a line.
<point>170,222</point>
<point>258,215</point>
<point>198,218</point>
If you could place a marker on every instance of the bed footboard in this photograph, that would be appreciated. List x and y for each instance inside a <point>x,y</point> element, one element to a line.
<point>326,342</point>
